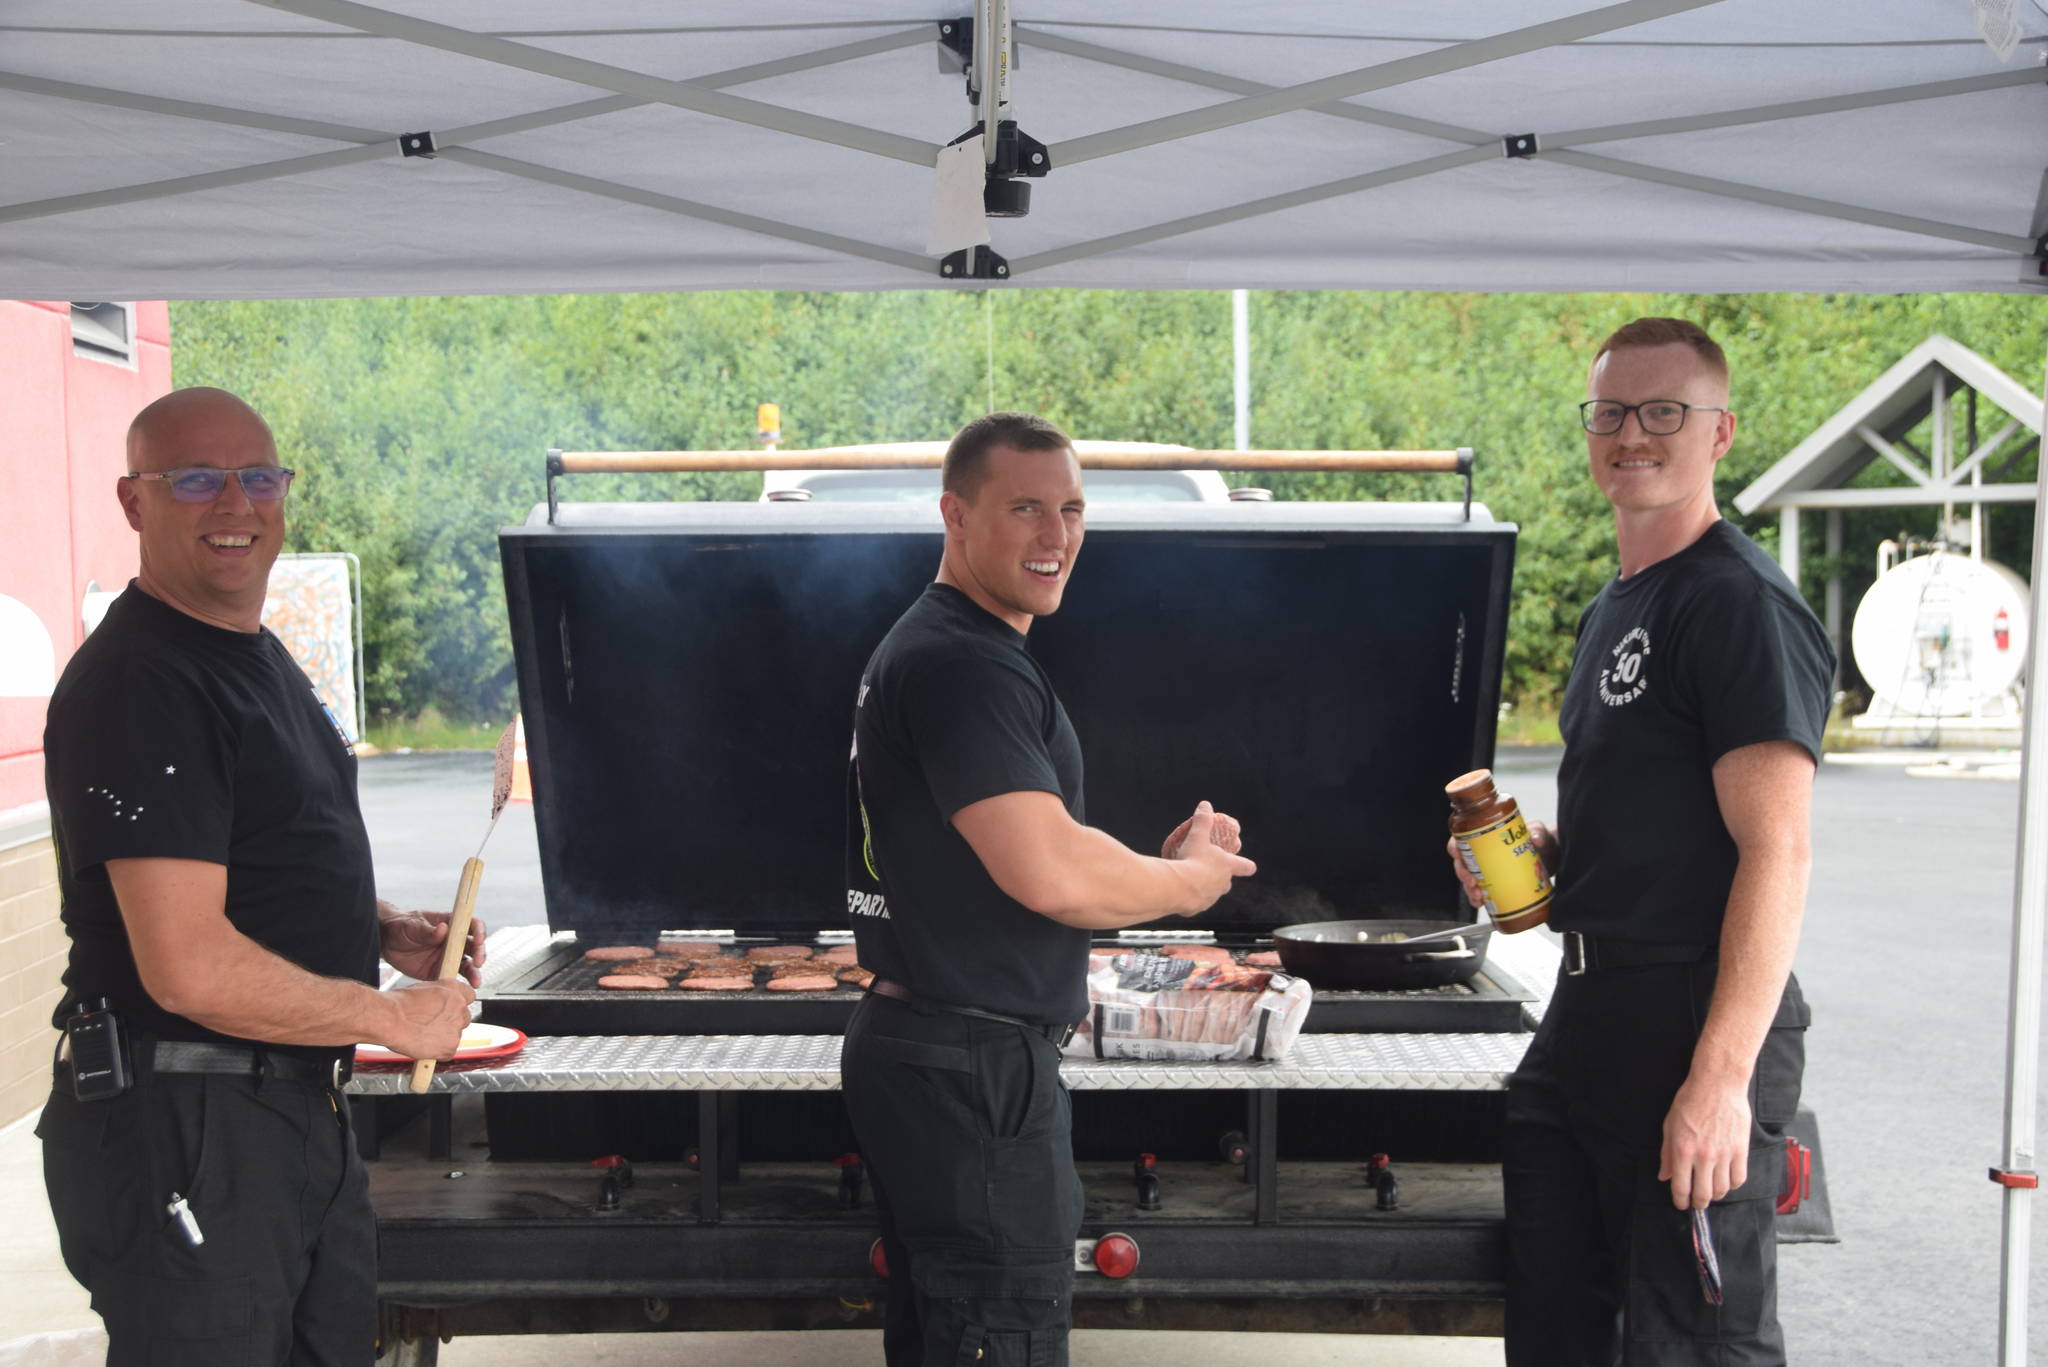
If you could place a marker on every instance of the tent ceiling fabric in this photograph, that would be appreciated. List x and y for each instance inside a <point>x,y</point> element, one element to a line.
<point>248,148</point>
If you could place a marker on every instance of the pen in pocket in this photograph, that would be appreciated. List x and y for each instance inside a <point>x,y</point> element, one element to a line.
<point>180,1211</point>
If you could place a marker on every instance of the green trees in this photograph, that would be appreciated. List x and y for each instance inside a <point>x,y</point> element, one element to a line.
<point>418,425</point>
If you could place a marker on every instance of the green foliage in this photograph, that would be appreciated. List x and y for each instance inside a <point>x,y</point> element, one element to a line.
<point>432,731</point>
<point>419,425</point>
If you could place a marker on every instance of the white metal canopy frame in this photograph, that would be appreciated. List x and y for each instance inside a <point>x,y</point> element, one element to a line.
<point>305,148</point>
<point>257,148</point>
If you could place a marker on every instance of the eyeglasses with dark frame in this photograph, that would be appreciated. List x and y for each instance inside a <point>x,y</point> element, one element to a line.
<point>203,483</point>
<point>1659,417</point>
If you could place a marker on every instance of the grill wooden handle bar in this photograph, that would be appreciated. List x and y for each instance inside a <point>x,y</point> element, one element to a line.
<point>451,950</point>
<point>637,462</point>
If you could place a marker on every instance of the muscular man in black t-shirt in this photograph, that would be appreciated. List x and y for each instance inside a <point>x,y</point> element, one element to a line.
<point>216,884</point>
<point>1669,1058</point>
<point>972,885</point>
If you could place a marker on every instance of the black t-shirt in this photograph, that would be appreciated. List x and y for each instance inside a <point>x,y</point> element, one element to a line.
<point>1700,654</point>
<point>953,709</point>
<point>170,738</point>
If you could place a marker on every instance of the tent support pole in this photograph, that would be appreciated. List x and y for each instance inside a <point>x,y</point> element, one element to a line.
<point>1834,592</point>
<point>710,213</point>
<point>1285,100</point>
<point>1352,185</point>
<point>620,80</point>
<point>373,144</point>
<point>1784,199</point>
<point>1241,367</point>
<point>2023,999</point>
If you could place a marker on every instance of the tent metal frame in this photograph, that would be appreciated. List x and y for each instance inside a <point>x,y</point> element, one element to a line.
<point>1330,95</point>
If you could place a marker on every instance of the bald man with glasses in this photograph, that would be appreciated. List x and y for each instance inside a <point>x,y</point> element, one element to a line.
<point>225,935</point>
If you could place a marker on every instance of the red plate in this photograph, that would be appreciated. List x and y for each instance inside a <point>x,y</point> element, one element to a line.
<point>478,1041</point>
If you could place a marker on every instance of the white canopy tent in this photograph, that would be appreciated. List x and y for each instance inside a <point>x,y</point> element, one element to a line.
<point>251,148</point>
<point>274,148</point>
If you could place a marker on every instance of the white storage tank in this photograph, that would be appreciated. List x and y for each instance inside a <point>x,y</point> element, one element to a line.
<point>1941,635</point>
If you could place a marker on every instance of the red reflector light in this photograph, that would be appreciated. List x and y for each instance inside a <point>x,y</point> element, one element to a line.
<point>1116,1255</point>
<point>878,1258</point>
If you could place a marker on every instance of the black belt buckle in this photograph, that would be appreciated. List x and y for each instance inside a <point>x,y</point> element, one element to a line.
<point>1575,960</point>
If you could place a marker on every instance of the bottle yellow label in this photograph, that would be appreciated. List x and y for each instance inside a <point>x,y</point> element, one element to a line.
<point>1510,872</point>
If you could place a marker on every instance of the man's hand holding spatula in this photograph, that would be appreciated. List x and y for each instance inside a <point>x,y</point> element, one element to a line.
<point>458,938</point>
<point>432,1015</point>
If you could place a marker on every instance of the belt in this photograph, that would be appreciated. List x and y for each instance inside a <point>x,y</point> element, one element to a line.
<point>247,1060</point>
<point>1060,1035</point>
<point>1585,954</point>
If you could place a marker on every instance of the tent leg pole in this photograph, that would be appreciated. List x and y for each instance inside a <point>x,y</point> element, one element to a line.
<point>2023,1003</point>
<point>1834,592</point>
<point>1241,365</point>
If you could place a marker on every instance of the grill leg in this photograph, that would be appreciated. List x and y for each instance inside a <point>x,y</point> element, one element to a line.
<point>363,1117</point>
<point>710,1154</point>
<point>440,1125</point>
<point>1264,1127</point>
<point>728,1137</point>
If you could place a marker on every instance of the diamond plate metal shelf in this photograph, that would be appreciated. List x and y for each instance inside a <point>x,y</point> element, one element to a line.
<point>810,1063</point>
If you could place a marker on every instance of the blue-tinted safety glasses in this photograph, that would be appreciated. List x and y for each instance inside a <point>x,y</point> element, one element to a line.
<point>203,483</point>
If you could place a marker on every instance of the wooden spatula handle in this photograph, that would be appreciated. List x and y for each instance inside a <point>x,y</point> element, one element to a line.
<point>451,949</point>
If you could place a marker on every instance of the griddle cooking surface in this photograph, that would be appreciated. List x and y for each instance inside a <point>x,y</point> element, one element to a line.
<point>560,996</point>
<point>581,975</point>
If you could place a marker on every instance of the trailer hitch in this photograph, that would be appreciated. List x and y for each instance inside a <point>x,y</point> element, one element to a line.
<point>1379,1175</point>
<point>1145,1171</point>
<point>617,1180</point>
<point>852,1177</point>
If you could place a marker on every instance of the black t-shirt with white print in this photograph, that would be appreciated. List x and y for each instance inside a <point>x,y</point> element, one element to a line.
<point>953,709</point>
<point>170,738</point>
<point>1702,653</point>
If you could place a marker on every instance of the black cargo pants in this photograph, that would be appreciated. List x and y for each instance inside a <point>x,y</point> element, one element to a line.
<point>968,1137</point>
<point>1601,1268</point>
<point>288,1270</point>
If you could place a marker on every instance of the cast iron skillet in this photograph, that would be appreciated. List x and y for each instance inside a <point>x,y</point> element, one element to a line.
<point>1350,954</point>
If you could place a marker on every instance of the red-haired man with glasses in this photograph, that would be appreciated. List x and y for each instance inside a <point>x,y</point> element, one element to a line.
<point>1669,1059</point>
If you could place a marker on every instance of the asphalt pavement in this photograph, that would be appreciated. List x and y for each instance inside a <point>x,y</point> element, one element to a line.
<point>1904,958</point>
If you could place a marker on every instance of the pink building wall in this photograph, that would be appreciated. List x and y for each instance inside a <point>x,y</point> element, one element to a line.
<point>63,420</point>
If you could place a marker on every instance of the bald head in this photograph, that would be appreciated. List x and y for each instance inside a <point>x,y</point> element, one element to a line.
<point>163,434</point>
<point>208,557</point>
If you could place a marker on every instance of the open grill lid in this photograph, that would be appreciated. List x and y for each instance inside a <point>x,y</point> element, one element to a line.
<point>687,676</point>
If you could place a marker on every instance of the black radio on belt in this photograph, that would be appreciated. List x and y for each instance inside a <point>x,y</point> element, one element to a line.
<point>98,1049</point>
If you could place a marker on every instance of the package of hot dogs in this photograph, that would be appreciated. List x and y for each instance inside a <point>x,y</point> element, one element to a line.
<point>1157,1006</point>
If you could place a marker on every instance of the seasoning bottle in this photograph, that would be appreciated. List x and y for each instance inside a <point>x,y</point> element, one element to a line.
<point>1494,844</point>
